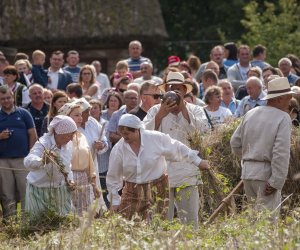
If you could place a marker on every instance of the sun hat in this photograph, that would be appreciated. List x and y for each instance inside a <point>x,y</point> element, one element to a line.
<point>131,121</point>
<point>278,87</point>
<point>173,60</point>
<point>174,78</point>
<point>62,124</point>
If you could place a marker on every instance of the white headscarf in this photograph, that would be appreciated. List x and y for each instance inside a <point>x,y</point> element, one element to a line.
<point>130,121</point>
<point>84,104</point>
<point>67,108</point>
<point>62,124</point>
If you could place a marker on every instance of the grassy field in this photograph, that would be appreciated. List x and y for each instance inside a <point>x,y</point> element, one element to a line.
<point>243,231</point>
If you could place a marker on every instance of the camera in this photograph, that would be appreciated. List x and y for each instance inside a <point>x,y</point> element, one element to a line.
<point>172,96</point>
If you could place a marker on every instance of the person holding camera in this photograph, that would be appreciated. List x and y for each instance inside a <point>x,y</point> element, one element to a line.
<point>17,136</point>
<point>178,118</point>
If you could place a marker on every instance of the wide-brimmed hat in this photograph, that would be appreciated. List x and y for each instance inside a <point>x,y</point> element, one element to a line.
<point>175,78</point>
<point>278,87</point>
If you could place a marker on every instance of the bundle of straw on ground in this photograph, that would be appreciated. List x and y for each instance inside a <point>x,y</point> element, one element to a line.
<point>215,147</point>
<point>292,185</point>
<point>225,167</point>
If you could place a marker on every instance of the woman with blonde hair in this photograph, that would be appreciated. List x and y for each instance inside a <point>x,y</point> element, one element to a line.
<point>87,80</point>
<point>82,163</point>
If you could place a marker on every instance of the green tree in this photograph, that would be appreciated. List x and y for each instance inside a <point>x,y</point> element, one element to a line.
<point>195,26</point>
<point>275,25</point>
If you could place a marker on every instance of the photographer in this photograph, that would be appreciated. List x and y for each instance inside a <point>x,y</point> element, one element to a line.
<point>178,118</point>
<point>17,136</point>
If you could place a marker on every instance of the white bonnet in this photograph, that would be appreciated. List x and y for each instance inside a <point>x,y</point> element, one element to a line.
<point>84,104</point>
<point>62,124</point>
<point>131,121</point>
<point>67,108</point>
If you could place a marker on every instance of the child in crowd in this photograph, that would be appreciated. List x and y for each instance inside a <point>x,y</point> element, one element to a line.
<point>122,70</point>
<point>39,74</point>
<point>24,69</point>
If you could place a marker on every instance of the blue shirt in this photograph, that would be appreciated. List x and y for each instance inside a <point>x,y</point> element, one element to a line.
<point>18,122</point>
<point>134,64</point>
<point>114,120</point>
<point>74,72</point>
<point>232,105</point>
<point>247,103</point>
<point>292,78</point>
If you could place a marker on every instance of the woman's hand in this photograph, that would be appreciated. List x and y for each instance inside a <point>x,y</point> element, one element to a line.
<point>99,145</point>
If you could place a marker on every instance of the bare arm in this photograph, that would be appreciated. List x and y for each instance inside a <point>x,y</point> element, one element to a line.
<point>32,136</point>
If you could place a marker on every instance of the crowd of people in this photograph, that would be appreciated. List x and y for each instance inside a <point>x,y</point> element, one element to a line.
<point>70,134</point>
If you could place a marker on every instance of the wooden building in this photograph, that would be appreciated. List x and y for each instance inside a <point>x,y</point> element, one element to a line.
<point>97,29</point>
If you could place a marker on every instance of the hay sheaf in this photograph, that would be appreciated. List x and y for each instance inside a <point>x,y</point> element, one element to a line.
<point>215,147</point>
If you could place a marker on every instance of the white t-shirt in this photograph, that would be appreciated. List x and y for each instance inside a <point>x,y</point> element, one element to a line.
<point>218,117</point>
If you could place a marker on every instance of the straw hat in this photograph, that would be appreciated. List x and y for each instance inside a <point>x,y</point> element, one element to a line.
<point>278,87</point>
<point>174,78</point>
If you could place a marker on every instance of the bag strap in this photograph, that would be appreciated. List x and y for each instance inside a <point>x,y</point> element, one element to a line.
<point>208,118</point>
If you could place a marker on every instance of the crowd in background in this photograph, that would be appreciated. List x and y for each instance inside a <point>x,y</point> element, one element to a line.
<point>234,81</point>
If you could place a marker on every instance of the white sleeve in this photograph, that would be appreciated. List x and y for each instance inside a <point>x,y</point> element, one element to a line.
<point>114,178</point>
<point>34,160</point>
<point>175,151</point>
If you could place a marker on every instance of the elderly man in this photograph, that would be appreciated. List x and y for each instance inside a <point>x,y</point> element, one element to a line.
<point>134,61</point>
<point>17,136</point>
<point>178,121</point>
<point>254,88</point>
<point>285,65</point>
<point>263,142</point>
<point>37,107</point>
<point>147,74</point>
<point>228,99</point>
<point>216,55</point>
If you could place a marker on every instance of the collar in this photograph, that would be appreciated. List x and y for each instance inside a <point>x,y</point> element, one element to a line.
<point>58,71</point>
<point>12,111</point>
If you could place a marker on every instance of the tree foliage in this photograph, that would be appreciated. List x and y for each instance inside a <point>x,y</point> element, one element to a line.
<point>195,26</point>
<point>275,25</point>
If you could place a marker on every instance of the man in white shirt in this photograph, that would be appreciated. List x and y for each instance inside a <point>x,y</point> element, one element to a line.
<point>237,73</point>
<point>262,140</point>
<point>178,120</point>
<point>101,77</point>
<point>58,78</point>
<point>147,71</point>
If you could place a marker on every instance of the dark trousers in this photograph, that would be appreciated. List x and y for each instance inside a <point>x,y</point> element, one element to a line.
<point>102,177</point>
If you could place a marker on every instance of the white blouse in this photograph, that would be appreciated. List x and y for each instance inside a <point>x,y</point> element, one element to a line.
<point>180,173</point>
<point>48,175</point>
<point>150,163</point>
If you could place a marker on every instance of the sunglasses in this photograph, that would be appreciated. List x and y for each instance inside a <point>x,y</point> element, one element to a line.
<point>155,96</point>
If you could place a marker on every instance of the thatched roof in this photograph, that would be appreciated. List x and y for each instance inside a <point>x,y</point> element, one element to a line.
<point>73,22</point>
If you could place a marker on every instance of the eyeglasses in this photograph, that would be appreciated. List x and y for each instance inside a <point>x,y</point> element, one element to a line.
<point>155,96</point>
